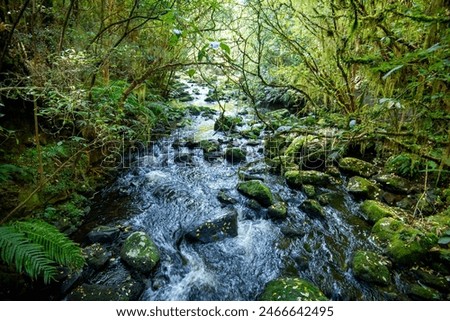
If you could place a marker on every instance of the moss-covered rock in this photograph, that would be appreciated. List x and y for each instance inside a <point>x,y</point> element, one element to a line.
<point>227,123</point>
<point>291,289</point>
<point>296,147</point>
<point>140,252</point>
<point>363,187</point>
<point>129,290</point>
<point>375,210</point>
<point>235,155</point>
<point>422,292</point>
<point>394,183</point>
<point>309,190</point>
<point>277,211</point>
<point>313,208</point>
<point>357,166</point>
<point>403,244</point>
<point>209,146</point>
<point>298,178</point>
<point>258,191</point>
<point>371,267</point>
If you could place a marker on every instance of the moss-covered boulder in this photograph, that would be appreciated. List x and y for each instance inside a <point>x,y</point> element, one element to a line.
<point>394,183</point>
<point>258,191</point>
<point>209,146</point>
<point>313,208</point>
<point>295,149</point>
<point>357,166</point>
<point>371,267</point>
<point>291,289</point>
<point>235,155</point>
<point>227,123</point>
<point>277,211</point>
<point>215,230</point>
<point>297,178</point>
<point>140,252</point>
<point>309,190</point>
<point>375,210</point>
<point>403,244</point>
<point>363,187</point>
<point>425,293</point>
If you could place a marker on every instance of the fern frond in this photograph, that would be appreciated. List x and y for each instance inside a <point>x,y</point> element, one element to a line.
<point>16,249</point>
<point>57,246</point>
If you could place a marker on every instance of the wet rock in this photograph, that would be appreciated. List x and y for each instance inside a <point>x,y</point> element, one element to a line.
<point>357,166</point>
<point>375,210</point>
<point>371,267</point>
<point>297,178</point>
<point>128,291</point>
<point>291,289</point>
<point>184,158</point>
<point>309,151</point>
<point>103,234</point>
<point>258,191</point>
<point>309,190</point>
<point>235,155</point>
<point>431,278</point>
<point>96,256</point>
<point>209,146</point>
<point>362,187</point>
<point>394,183</point>
<point>277,211</point>
<point>246,176</point>
<point>224,198</point>
<point>227,123</point>
<point>140,252</point>
<point>422,292</point>
<point>313,208</point>
<point>215,230</point>
<point>385,229</point>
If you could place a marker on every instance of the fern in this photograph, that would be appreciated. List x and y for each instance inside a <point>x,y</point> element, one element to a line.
<point>16,250</point>
<point>37,248</point>
<point>56,245</point>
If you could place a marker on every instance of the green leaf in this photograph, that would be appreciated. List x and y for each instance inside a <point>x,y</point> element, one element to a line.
<point>191,72</point>
<point>444,240</point>
<point>225,48</point>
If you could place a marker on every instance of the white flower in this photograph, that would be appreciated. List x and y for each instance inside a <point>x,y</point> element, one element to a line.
<point>178,32</point>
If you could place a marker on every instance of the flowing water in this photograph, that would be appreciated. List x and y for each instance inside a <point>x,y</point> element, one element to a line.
<point>171,190</point>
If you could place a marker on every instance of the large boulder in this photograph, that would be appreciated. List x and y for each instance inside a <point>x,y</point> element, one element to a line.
<point>309,151</point>
<point>258,191</point>
<point>297,178</point>
<point>291,289</point>
<point>375,210</point>
<point>404,244</point>
<point>215,230</point>
<point>363,187</point>
<point>357,166</point>
<point>371,267</point>
<point>140,252</point>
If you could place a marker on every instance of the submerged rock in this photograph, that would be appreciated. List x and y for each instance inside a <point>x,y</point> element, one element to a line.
<point>357,166</point>
<point>258,191</point>
<point>215,230</point>
<point>362,187</point>
<point>298,178</point>
<point>224,198</point>
<point>140,252</point>
<point>371,267</point>
<point>291,289</point>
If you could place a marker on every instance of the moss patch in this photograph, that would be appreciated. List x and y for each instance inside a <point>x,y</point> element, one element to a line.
<point>375,210</point>
<point>140,252</point>
<point>357,166</point>
<point>258,191</point>
<point>298,178</point>
<point>371,267</point>
<point>291,289</point>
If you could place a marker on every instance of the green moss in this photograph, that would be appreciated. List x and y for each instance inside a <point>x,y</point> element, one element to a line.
<point>258,191</point>
<point>296,146</point>
<point>357,166</point>
<point>277,211</point>
<point>375,210</point>
<point>423,292</point>
<point>298,178</point>
<point>385,229</point>
<point>235,155</point>
<point>363,187</point>
<point>291,289</point>
<point>309,190</point>
<point>140,252</point>
<point>313,208</point>
<point>371,267</point>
